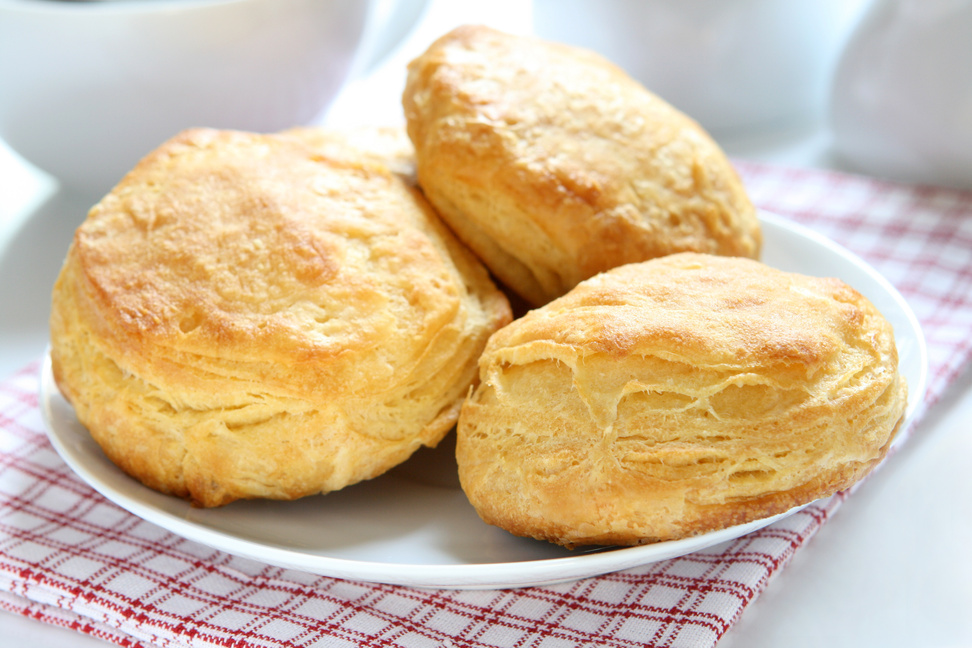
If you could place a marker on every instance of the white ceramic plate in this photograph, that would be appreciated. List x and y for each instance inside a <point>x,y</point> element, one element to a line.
<point>413,525</point>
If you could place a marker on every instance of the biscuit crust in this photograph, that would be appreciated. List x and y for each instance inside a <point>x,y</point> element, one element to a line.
<point>245,317</point>
<point>553,164</point>
<point>677,396</point>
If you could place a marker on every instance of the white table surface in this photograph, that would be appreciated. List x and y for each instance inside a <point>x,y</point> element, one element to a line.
<point>891,569</point>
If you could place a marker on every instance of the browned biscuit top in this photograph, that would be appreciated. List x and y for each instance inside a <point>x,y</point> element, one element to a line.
<point>243,316</point>
<point>676,396</point>
<point>553,164</point>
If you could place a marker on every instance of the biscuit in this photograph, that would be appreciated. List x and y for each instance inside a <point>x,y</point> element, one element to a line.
<point>553,164</point>
<point>243,317</point>
<point>677,396</point>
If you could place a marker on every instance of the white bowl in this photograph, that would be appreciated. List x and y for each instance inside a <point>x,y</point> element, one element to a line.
<point>901,103</point>
<point>735,66</point>
<point>87,88</point>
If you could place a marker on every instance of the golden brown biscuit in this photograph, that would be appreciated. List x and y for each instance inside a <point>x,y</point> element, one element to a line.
<point>243,317</point>
<point>552,164</point>
<point>677,396</point>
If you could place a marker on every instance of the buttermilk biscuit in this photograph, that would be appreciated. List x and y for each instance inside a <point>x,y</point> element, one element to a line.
<point>677,396</point>
<point>553,164</point>
<point>243,317</point>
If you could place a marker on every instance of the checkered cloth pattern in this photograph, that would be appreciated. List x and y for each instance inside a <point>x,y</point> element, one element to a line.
<point>71,558</point>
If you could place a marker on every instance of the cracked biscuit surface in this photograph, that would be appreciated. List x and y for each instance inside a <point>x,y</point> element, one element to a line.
<point>553,164</point>
<point>243,317</point>
<point>677,396</point>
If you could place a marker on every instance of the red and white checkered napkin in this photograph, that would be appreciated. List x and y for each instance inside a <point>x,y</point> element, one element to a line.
<point>69,557</point>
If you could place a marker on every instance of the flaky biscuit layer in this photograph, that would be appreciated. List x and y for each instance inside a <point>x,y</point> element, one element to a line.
<point>677,396</point>
<point>243,316</point>
<point>553,164</point>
